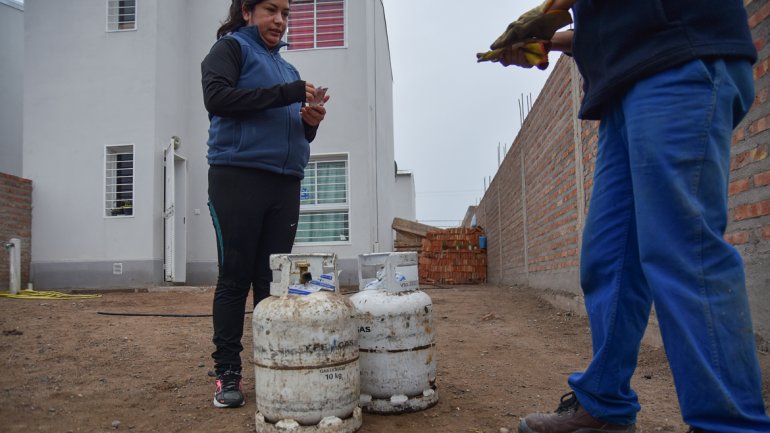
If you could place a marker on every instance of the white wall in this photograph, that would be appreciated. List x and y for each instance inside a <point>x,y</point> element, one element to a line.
<point>359,121</point>
<point>382,75</point>
<point>202,21</point>
<point>84,89</point>
<point>11,86</point>
<point>404,202</point>
<point>346,126</point>
<point>172,99</point>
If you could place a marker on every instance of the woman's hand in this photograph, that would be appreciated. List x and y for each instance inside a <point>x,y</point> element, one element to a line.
<point>309,92</point>
<point>315,114</point>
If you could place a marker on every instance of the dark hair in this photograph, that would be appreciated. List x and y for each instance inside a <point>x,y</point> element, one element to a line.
<point>235,19</point>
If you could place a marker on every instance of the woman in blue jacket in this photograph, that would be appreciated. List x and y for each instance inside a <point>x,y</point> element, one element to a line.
<point>258,147</point>
<point>669,80</point>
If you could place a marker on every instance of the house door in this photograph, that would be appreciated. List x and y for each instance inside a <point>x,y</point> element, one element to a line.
<point>175,216</point>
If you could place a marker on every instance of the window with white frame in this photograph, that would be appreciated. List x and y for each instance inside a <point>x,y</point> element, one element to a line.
<point>324,201</point>
<point>119,180</point>
<point>121,15</point>
<point>316,24</point>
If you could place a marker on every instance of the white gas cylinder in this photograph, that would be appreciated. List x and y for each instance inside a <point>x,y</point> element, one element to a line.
<point>396,335</point>
<point>305,353</point>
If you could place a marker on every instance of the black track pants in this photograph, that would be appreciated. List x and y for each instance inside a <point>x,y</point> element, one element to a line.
<point>255,214</point>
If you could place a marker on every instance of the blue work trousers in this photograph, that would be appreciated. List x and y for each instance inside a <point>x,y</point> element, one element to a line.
<point>654,235</point>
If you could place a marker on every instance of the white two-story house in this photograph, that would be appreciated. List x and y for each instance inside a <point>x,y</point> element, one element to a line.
<point>115,138</point>
<point>11,86</point>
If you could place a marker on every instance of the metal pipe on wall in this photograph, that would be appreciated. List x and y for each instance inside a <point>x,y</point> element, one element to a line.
<point>14,253</point>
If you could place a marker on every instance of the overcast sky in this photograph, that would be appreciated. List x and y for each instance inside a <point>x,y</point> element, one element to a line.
<point>450,112</point>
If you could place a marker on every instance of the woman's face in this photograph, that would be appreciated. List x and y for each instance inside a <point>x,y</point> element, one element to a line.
<point>271,18</point>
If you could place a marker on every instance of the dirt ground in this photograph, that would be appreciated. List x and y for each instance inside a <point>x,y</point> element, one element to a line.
<point>503,353</point>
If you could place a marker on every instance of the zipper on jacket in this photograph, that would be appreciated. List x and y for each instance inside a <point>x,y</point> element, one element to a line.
<point>288,113</point>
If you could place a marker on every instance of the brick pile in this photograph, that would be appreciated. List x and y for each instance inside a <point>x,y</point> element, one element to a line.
<point>453,256</point>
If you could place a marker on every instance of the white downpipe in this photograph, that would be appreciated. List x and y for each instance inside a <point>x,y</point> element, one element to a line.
<point>14,253</point>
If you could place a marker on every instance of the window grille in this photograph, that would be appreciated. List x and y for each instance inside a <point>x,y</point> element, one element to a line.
<point>316,24</point>
<point>121,15</point>
<point>119,180</point>
<point>324,205</point>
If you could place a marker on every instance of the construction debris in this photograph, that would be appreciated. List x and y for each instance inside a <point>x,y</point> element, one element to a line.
<point>446,256</point>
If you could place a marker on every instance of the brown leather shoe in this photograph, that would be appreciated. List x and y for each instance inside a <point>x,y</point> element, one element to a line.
<point>570,417</point>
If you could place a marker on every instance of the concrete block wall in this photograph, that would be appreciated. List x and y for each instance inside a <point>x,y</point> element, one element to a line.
<point>534,210</point>
<point>15,222</point>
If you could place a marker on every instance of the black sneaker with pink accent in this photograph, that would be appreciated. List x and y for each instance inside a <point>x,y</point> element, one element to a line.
<point>229,392</point>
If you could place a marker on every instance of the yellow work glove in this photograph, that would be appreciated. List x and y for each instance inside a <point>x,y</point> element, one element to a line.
<point>538,23</point>
<point>530,54</point>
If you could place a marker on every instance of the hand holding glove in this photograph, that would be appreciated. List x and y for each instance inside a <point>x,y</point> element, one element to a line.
<point>524,54</point>
<point>539,23</point>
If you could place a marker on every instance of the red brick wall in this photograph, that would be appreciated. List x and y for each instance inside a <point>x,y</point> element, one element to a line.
<point>750,168</point>
<point>749,224</point>
<point>512,233</point>
<point>550,179</point>
<point>534,209</point>
<point>15,222</point>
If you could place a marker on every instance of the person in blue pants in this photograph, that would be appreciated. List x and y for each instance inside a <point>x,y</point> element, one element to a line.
<point>669,80</point>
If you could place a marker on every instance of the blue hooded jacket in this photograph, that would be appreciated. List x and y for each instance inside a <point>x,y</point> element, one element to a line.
<point>272,139</point>
<point>617,43</point>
